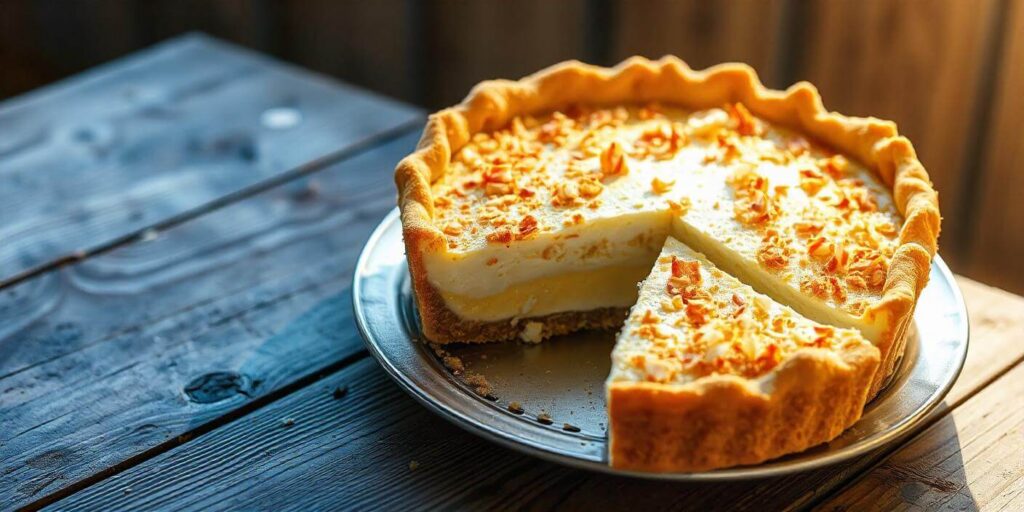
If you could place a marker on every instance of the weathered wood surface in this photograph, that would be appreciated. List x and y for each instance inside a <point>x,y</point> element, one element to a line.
<point>160,134</point>
<point>465,42</point>
<point>946,71</point>
<point>370,43</point>
<point>193,363</point>
<point>998,223</point>
<point>703,33</point>
<point>357,453</point>
<point>972,459</point>
<point>897,61</point>
<point>101,30</point>
<point>96,355</point>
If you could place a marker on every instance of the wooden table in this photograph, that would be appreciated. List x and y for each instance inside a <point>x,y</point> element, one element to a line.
<point>178,231</point>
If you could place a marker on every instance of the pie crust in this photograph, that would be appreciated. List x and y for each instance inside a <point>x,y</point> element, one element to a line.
<point>875,143</point>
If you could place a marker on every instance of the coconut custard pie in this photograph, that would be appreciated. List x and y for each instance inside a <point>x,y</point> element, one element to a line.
<point>535,207</point>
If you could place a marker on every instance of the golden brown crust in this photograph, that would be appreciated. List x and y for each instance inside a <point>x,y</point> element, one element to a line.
<point>876,143</point>
<point>725,420</point>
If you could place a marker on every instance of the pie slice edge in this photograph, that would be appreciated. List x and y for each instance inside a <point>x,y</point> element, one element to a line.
<point>707,373</point>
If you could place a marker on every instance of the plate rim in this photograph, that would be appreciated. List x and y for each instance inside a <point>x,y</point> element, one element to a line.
<point>873,442</point>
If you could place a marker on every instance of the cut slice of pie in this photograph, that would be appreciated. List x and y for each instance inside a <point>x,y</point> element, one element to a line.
<point>534,207</point>
<point>708,373</point>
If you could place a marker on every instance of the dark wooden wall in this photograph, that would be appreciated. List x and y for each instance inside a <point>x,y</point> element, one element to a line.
<point>947,71</point>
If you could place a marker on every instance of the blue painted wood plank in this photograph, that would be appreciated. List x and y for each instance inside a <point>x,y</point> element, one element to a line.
<point>134,143</point>
<point>107,359</point>
<point>375,448</point>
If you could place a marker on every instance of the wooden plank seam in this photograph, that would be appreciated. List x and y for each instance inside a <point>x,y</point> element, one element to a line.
<point>236,414</point>
<point>879,458</point>
<point>283,178</point>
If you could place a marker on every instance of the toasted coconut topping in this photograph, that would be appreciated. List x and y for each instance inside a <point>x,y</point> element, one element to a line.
<point>613,161</point>
<point>817,218</point>
<point>658,186</point>
<point>708,323</point>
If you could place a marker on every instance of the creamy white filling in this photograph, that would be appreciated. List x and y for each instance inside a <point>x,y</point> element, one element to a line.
<point>631,240</point>
<point>746,268</point>
<point>615,287</point>
<point>630,224</point>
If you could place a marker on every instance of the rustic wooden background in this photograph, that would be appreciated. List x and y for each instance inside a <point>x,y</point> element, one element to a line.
<point>947,71</point>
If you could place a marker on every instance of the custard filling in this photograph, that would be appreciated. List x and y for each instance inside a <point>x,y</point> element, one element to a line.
<point>529,209</point>
<point>614,286</point>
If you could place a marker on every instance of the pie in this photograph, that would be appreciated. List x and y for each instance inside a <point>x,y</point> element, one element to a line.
<point>700,344</point>
<point>535,207</point>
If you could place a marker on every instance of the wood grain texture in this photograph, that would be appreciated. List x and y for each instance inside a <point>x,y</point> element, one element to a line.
<point>918,63</point>
<point>367,43</point>
<point>247,22</point>
<point>972,459</point>
<point>702,33</point>
<point>356,453</point>
<point>44,41</point>
<point>928,64</point>
<point>161,133</point>
<point>97,354</point>
<point>467,41</point>
<point>998,223</point>
<point>997,336</point>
